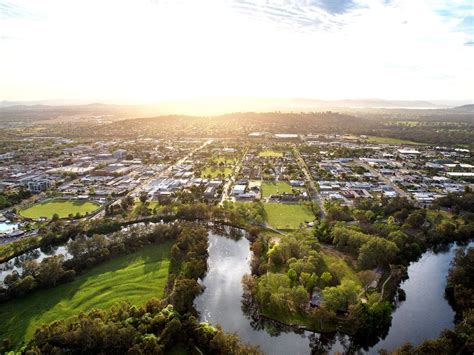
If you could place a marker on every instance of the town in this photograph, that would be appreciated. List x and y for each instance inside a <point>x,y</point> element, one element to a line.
<point>294,175</point>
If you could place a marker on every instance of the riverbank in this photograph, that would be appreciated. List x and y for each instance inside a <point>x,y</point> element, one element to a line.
<point>135,277</point>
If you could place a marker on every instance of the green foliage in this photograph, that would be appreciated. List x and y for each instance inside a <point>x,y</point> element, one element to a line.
<point>135,278</point>
<point>136,330</point>
<point>377,252</point>
<point>340,297</point>
<point>460,288</point>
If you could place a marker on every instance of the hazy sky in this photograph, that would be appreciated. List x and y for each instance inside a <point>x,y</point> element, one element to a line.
<point>147,51</point>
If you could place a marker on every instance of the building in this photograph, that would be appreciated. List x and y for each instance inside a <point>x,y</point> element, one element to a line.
<point>39,185</point>
<point>120,154</point>
<point>238,190</point>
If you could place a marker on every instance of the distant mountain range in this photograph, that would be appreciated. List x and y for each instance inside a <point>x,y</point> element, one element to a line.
<point>47,109</point>
<point>267,103</point>
<point>468,108</point>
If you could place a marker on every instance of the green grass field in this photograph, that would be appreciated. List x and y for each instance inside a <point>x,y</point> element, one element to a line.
<point>135,278</point>
<point>62,207</point>
<point>213,173</point>
<point>271,188</point>
<point>339,266</point>
<point>225,160</point>
<point>387,140</point>
<point>270,154</point>
<point>286,217</point>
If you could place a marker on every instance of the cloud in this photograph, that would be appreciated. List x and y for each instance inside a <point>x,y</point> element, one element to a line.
<point>12,11</point>
<point>298,15</point>
<point>335,6</point>
<point>150,50</point>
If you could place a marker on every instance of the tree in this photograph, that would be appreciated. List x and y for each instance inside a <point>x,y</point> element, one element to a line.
<point>143,197</point>
<point>51,270</point>
<point>415,219</point>
<point>340,297</point>
<point>326,278</point>
<point>377,252</point>
<point>126,202</point>
<point>293,276</point>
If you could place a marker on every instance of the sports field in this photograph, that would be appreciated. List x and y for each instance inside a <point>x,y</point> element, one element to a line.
<point>272,188</point>
<point>225,160</point>
<point>213,173</point>
<point>62,207</point>
<point>270,154</point>
<point>135,278</point>
<point>285,217</point>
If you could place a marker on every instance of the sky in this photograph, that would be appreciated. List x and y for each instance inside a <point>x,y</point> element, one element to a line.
<point>146,51</point>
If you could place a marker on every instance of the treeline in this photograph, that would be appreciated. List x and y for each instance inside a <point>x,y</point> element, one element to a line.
<point>138,329</point>
<point>460,285</point>
<point>395,220</point>
<point>431,131</point>
<point>12,198</point>
<point>129,329</point>
<point>243,215</point>
<point>86,252</point>
<point>371,251</point>
<point>460,292</point>
<point>458,202</point>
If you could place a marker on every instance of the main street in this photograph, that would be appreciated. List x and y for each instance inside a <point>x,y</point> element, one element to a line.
<point>228,184</point>
<point>386,180</point>
<point>134,192</point>
<point>313,191</point>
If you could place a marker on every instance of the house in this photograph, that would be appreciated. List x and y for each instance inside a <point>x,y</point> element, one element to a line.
<point>210,192</point>
<point>238,190</point>
<point>120,154</point>
<point>316,299</point>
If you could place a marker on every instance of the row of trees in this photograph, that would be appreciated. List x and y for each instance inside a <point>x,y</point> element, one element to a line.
<point>371,251</point>
<point>11,198</point>
<point>460,292</point>
<point>149,329</point>
<point>87,252</point>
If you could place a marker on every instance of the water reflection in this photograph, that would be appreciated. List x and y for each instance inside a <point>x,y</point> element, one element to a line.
<point>424,314</point>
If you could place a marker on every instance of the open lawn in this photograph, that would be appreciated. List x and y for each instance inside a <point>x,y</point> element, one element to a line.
<point>270,154</point>
<point>338,266</point>
<point>444,215</point>
<point>286,217</point>
<point>387,140</point>
<point>151,205</point>
<point>135,278</point>
<point>62,207</point>
<point>225,160</point>
<point>271,188</point>
<point>213,173</point>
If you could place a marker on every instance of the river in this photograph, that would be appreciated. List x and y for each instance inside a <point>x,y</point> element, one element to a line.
<point>424,313</point>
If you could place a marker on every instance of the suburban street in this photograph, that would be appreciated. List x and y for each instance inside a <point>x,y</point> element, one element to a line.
<point>313,191</point>
<point>385,179</point>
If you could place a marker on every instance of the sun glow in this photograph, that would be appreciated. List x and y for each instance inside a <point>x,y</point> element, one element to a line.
<point>152,51</point>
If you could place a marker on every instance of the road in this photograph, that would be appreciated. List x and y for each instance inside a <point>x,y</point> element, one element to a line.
<point>228,184</point>
<point>143,184</point>
<point>386,180</point>
<point>313,191</point>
